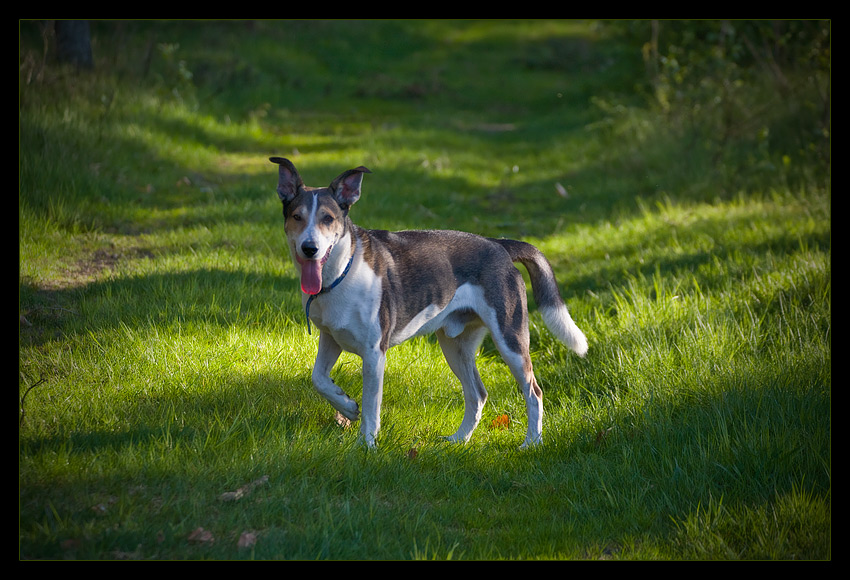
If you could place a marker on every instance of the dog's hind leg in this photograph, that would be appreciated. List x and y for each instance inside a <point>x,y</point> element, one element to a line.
<point>533,395</point>
<point>508,324</point>
<point>327,356</point>
<point>460,353</point>
<point>521,369</point>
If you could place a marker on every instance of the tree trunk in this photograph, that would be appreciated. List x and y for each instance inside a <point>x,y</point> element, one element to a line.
<point>73,43</point>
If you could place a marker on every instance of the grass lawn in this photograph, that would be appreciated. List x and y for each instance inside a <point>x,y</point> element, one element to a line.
<point>681,192</point>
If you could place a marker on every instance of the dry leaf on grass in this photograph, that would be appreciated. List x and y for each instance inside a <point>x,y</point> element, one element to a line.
<point>201,536</point>
<point>562,191</point>
<point>243,491</point>
<point>99,509</point>
<point>342,421</point>
<point>500,422</point>
<point>103,507</point>
<point>71,544</point>
<point>601,435</point>
<point>134,555</point>
<point>247,540</point>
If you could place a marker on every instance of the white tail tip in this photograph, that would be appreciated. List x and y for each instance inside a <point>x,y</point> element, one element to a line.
<point>561,324</point>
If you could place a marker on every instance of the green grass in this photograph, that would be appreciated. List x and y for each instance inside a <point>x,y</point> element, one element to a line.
<point>164,359</point>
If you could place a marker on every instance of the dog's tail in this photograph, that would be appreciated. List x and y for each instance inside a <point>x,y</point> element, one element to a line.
<point>546,294</point>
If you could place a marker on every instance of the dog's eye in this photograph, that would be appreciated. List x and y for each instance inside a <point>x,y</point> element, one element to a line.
<point>296,217</point>
<point>328,220</point>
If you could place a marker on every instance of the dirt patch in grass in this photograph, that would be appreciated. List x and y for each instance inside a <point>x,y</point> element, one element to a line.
<point>45,306</point>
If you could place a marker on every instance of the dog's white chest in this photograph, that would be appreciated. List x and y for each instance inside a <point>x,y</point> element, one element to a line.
<point>350,312</point>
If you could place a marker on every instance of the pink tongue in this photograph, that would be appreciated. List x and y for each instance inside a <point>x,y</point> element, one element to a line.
<point>311,276</point>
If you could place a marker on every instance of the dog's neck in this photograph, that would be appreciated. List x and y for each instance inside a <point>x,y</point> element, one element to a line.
<point>340,255</point>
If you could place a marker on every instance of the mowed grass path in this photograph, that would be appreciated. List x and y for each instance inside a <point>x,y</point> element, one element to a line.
<point>164,363</point>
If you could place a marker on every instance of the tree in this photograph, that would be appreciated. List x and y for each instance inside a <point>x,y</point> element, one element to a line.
<point>73,43</point>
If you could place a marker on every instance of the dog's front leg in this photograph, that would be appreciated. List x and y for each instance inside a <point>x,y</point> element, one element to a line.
<point>327,356</point>
<point>373,392</point>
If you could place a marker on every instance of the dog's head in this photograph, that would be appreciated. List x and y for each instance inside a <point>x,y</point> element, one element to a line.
<point>315,218</point>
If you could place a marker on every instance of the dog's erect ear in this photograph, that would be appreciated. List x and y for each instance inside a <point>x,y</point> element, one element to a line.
<point>289,182</point>
<point>346,187</point>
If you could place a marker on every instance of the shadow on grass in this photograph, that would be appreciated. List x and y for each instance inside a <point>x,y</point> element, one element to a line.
<point>209,296</point>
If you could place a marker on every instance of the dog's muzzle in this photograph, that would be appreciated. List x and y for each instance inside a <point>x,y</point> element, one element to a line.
<point>311,268</point>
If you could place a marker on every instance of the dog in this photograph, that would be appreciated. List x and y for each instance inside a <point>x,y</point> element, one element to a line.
<point>369,290</point>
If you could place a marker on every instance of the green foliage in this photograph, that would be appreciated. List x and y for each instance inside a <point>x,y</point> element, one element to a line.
<point>744,101</point>
<point>677,176</point>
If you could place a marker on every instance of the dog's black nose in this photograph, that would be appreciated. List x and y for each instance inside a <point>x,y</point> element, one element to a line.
<point>309,248</point>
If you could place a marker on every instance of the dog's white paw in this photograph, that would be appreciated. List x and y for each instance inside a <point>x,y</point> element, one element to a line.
<point>350,410</point>
<point>454,438</point>
<point>367,440</point>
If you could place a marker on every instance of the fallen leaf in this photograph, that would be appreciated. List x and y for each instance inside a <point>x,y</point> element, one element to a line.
<point>99,509</point>
<point>601,435</point>
<point>102,507</point>
<point>201,536</point>
<point>562,191</point>
<point>247,540</point>
<point>134,555</point>
<point>500,422</point>
<point>412,453</point>
<point>242,491</point>
<point>341,420</point>
<point>71,544</point>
